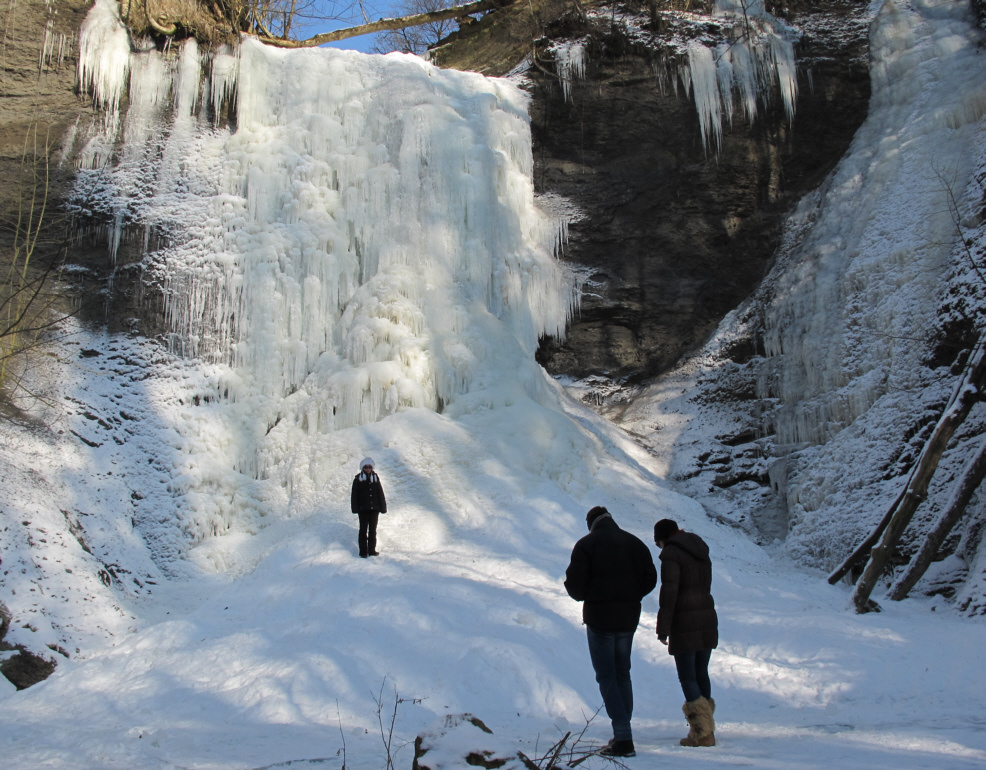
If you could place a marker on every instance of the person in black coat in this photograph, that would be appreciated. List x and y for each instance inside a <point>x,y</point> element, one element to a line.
<point>368,502</point>
<point>610,572</point>
<point>687,622</point>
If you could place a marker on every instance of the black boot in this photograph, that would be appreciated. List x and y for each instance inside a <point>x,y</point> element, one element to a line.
<point>617,748</point>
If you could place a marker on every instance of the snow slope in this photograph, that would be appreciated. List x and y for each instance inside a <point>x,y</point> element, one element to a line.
<point>274,647</point>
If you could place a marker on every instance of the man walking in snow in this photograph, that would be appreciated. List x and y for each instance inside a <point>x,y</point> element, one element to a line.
<point>610,572</point>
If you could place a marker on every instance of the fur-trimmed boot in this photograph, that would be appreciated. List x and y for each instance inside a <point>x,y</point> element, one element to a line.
<point>700,722</point>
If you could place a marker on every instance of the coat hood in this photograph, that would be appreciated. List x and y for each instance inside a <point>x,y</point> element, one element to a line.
<point>691,544</point>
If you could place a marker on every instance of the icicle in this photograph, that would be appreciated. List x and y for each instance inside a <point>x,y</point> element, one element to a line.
<point>762,55</point>
<point>724,77</point>
<point>705,87</point>
<point>570,63</point>
<point>782,54</point>
<point>104,56</point>
<point>223,81</point>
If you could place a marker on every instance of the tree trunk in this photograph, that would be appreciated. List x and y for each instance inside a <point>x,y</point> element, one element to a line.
<point>966,394</point>
<point>385,24</point>
<point>972,477</point>
<point>863,549</point>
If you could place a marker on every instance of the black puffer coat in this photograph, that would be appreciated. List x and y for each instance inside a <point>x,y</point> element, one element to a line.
<point>367,495</point>
<point>611,571</point>
<point>687,617</point>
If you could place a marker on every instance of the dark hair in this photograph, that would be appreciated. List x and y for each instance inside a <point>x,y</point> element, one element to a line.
<point>664,529</point>
<point>593,514</point>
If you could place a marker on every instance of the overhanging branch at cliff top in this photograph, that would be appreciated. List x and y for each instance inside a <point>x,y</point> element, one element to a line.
<point>386,24</point>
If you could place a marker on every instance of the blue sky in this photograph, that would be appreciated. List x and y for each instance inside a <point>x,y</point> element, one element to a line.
<point>374,9</point>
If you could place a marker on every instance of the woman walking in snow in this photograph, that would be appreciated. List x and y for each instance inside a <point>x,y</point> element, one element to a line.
<point>368,502</point>
<point>688,624</point>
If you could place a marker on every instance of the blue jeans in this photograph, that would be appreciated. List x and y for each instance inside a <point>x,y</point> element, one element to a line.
<point>610,655</point>
<point>693,673</point>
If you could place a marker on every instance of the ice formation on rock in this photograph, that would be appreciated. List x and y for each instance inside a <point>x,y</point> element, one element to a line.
<point>864,288</point>
<point>570,63</point>
<point>759,57</point>
<point>364,240</point>
<point>859,328</point>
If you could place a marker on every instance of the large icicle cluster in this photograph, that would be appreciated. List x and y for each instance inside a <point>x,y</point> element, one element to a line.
<point>744,54</point>
<point>570,58</point>
<point>364,241</point>
<point>758,56</point>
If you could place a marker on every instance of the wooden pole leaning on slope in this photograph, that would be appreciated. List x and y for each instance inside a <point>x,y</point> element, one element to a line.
<point>967,393</point>
<point>972,476</point>
<point>382,25</point>
<point>863,549</point>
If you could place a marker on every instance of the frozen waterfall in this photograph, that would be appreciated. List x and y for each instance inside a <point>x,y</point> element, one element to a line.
<point>359,239</point>
<point>857,295</point>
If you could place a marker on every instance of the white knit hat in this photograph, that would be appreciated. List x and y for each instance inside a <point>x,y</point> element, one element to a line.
<point>367,461</point>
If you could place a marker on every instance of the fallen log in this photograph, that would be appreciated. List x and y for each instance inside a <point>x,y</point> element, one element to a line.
<point>965,487</point>
<point>967,392</point>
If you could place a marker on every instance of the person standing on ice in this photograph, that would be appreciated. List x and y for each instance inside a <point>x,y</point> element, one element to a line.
<point>368,502</point>
<point>610,572</point>
<point>688,624</point>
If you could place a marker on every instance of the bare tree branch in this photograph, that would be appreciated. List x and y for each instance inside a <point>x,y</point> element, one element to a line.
<point>389,24</point>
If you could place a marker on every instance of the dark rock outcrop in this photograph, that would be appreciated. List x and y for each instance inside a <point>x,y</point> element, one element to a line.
<point>22,668</point>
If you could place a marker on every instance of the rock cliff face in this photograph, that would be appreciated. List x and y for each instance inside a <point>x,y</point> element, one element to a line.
<point>40,108</point>
<point>37,81</point>
<point>669,236</point>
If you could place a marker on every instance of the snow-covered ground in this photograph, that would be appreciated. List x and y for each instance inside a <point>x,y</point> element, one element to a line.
<point>276,646</point>
<point>177,533</point>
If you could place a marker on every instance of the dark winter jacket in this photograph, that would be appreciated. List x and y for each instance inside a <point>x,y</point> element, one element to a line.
<point>367,496</point>
<point>610,571</point>
<point>687,616</point>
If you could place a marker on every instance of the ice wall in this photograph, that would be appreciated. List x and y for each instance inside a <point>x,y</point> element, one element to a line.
<point>856,294</point>
<point>362,239</point>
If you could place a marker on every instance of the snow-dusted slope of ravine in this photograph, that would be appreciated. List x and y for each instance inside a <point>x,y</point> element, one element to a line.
<point>274,646</point>
<point>860,327</point>
<point>180,527</point>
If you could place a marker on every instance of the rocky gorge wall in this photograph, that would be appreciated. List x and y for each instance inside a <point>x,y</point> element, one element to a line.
<point>41,109</point>
<point>669,235</point>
